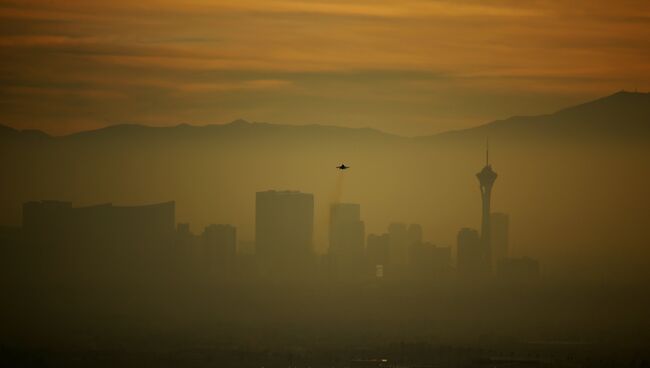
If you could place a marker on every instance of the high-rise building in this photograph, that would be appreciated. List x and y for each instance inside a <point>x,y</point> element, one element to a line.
<point>102,241</point>
<point>414,234</point>
<point>499,226</point>
<point>188,253</point>
<point>344,213</point>
<point>284,226</point>
<point>414,243</point>
<point>346,239</point>
<point>469,254</point>
<point>378,254</point>
<point>246,247</point>
<point>219,243</point>
<point>429,262</point>
<point>486,178</point>
<point>100,224</point>
<point>441,263</point>
<point>399,245</point>
<point>183,228</point>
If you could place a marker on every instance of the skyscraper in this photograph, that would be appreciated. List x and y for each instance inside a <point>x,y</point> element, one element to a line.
<point>347,233</point>
<point>378,253</point>
<point>218,250</point>
<point>499,224</point>
<point>346,239</point>
<point>399,245</point>
<point>344,213</point>
<point>429,262</point>
<point>107,225</point>
<point>219,243</point>
<point>486,178</point>
<point>103,242</point>
<point>469,254</point>
<point>415,244</point>
<point>414,234</point>
<point>284,226</point>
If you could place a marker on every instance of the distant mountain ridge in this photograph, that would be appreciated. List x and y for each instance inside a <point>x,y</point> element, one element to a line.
<point>622,114</point>
<point>9,132</point>
<point>603,115</point>
<point>233,130</point>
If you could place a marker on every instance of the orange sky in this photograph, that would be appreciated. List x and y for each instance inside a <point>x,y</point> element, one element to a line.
<point>410,67</point>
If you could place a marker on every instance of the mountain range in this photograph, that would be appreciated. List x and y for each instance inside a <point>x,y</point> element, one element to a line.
<point>622,114</point>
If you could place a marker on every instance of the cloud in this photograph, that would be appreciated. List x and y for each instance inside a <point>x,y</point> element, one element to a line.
<point>393,65</point>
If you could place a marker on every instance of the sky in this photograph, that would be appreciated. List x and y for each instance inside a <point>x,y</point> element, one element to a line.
<point>409,67</point>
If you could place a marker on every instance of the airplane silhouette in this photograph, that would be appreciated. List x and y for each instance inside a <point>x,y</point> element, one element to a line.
<point>343,167</point>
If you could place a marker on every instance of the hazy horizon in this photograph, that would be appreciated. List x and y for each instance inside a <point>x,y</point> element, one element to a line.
<point>316,124</point>
<point>212,173</point>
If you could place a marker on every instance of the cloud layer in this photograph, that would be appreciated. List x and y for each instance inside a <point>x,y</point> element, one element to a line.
<point>409,67</point>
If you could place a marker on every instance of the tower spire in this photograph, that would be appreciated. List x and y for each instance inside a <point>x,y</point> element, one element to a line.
<point>486,178</point>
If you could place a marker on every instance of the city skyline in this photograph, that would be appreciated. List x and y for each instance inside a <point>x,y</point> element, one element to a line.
<point>284,223</point>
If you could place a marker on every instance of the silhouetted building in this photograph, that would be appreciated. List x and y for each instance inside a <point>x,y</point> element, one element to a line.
<point>346,239</point>
<point>185,239</point>
<point>441,263</point>
<point>518,270</point>
<point>100,223</point>
<point>219,243</point>
<point>101,240</point>
<point>188,253</point>
<point>414,234</point>
<point>341,213</point>
<point>399,245</point>
<point>414,239</point>
<point>284,227</point>
<point>183,230</point>
<point>429,262</point>
<point>246,247</point>
<point>470,260</point>
<point>378,254</point>
<point>486,178</point>
<point>499,228</point>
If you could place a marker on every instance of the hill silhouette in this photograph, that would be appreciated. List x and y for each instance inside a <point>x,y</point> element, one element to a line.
<point>622,114</point>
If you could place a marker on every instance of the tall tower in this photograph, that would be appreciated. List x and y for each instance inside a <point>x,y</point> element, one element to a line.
<point>347,237</point>
<point>486,178</point>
